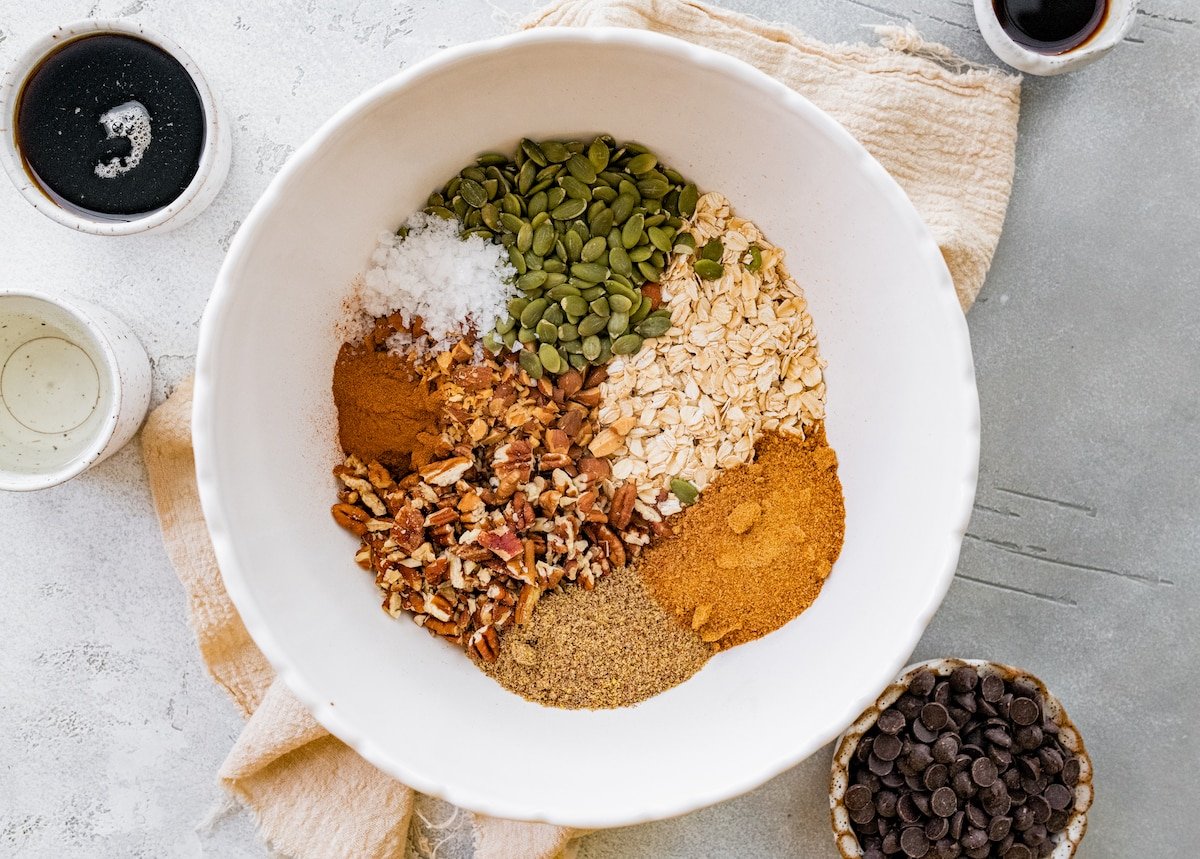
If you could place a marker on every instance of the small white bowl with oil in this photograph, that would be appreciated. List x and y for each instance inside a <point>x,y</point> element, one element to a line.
<point>74,388</point>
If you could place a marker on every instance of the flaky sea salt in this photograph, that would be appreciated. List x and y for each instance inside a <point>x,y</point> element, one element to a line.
<point>452,283</point>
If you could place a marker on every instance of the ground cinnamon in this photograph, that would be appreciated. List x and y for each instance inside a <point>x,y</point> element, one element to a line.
<point>384,407</point>
<point>753,552</point>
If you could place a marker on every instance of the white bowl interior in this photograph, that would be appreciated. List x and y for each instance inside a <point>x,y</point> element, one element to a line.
<point>902,415</point>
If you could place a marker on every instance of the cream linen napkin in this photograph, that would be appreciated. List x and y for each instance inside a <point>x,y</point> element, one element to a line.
<point>945,130</point>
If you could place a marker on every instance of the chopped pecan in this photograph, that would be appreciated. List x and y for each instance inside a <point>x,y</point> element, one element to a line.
<point>596,468</point>
<point>503,543</point>
<point>557,441</point>
<point>445,472</point>
<point>486,644</point>
<point>530,594</point>
<point>444,516</point>
<point>353,519</point>
<point>620,509</point>
<point>409,528</point>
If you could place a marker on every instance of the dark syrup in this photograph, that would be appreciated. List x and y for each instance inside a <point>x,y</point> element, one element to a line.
<point>89,104</point>
<point>1050,26</point>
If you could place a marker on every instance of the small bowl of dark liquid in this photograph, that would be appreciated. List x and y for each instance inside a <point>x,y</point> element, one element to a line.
<point>111,129</point>
<point>1050,37</point>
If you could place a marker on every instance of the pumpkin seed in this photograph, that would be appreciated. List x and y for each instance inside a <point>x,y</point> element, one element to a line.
<point>593,292</point>
<point>684,490</point>
<point>643,310</point>
<point>533,261</point>
<point>620,303</point>
<point>628,344</point>
<point>602,222</point>
<point>631,232</point>
<point>492,343</point>
<point>491,187</point>
<point>539,219</point>
<point>568,210</point>
<point>577,361</point>
<point>533,312</point>
<point>511,204</point>
<point>598,154</point>
<point>605,193</point>
<point>575,189</point>
<point>517,259</point>
<point>554,266</point>
<point>442,212</point>
<point>660,238</point>
<point>473,193</point>
<point>473,173</point>
<point>641,253</point>
<point>516,305</point>
<point>510,338</point>
<point>591,347</point>
<point>525,178</point>
<point>618,323</point>
<point>654,326</point>
<point>567,332</point>
<point>755,262</point>
<point>592,324</point>
<point>554,315</point>
<point>618,261</point>
<point>531,280</point>
<point>524,236</point>
<point>554,197</point>
<point>573,245</point>
<point>503,326</point>
<point>555,280</point>
<point>528,359</point>
<point>708,269</point>
<point>688,198</point>
<point>600,307</point>
<point>650,271</point>
<point>593,248</point>
<point>605,351</point>
<point>543,239</point>
<point>549,358</point>
<point>581,168</point>
<point>589,271</point>
<point>555,151</point>
<point>574,306</point>
<point>623,207</point>
<point>713,250</point>
<point>643,163</point>
<point>547,332</point>
<point>526,335</point>
<point>685,243</point>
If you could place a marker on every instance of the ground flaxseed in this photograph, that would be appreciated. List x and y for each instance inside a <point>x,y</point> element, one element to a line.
<point>610,647</point>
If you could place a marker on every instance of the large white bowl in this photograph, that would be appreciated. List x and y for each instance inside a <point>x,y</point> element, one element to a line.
<point>903,416</point>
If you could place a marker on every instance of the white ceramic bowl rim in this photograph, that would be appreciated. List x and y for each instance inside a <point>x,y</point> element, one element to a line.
<point>10,90</point>
<point>20,481</point>
<point>204,429</point>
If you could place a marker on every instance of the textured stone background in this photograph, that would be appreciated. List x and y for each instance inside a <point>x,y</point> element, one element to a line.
<point>1080,563</point>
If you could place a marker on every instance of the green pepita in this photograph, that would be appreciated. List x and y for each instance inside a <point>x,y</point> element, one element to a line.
<point>654,326</point>
<point>684,490</point>
<point>629,344</point>
<point>547,332</point>
<point>549,358</point>
<point>708,269</point>
<point>631,232</point>
<point>528,359</point>
<point>533,312</point>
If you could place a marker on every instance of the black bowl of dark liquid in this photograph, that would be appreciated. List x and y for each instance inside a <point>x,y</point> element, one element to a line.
<point>110,125</point>
<point>1051,26</point>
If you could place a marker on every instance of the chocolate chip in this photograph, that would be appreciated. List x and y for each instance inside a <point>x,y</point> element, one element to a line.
<point>1070,772</point>
<point>974,839</point>
<point>935,776</point>
<point>874,853</point>
<point>1059,796</point>
<point>1058,821</point>
<point>924,734</point>
<point>1035,835</point>
<point>857,797</point>
<point>919,757</point>
<point>893,779</point>
<point>922,684</point>
<point>887,747</point>
<point>937,828</point>
<point>1017,851</point>
<point>1029,737</point>
<point>913,842</point>
<point>962,785</point>
<point>944,802</point>
<point>983,772</point>
<point>1052,760</point>
<point>890,722</point>
<point>945,749</point>
<point>906,809</point>
<point>976,816</point>
<point>879,766</point>
<point>909,706</point>
<point>934,716</point>
<point>863,815</point>
<point>963,678</point>
<point>999,828</point>
<point>891,842</point>
<point>1039,807</point>
<point>886,802</point>
<point>1023,711</point>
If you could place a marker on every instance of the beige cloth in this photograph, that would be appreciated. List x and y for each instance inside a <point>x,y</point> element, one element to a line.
<point>945,131</point>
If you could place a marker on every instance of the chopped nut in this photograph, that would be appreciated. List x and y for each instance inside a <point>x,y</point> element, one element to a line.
<point>446,472</point>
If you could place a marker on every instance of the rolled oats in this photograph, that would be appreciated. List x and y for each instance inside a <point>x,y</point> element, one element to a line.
<point>740,358</point>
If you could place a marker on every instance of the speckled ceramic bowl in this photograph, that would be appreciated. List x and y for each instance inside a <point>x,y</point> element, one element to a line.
<point>1067,841</point>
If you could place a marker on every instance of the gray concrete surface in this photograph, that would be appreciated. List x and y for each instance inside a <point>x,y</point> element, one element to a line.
<point>1080,563</point>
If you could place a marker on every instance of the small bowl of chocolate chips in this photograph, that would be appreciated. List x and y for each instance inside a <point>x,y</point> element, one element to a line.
<point>961,758</point>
